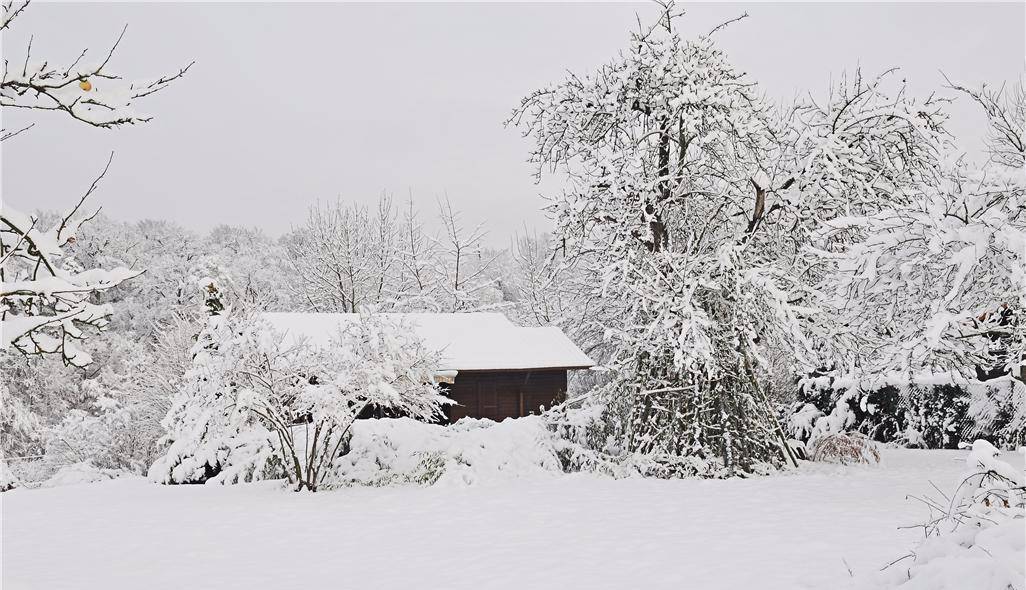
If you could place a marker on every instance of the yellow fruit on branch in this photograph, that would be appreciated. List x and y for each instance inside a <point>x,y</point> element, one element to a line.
<point>85,85</point>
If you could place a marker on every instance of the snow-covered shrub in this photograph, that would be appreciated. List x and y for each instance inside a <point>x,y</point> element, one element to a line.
<point>48,472</point>
<point>935,416</point>
<point>844,448</point>
<point>472,451</point>
<point>109,437</point>
<point>878,413</point>
<point>310,397</point>
<point>884,414</point>
<point>79,473</point>
<point>975,538</point>
<point>590,439</point>
<point>397,451</point>
<point>257,404</point>
<point>8,479</point>
<point>35,391</point>
<point>209,436</point>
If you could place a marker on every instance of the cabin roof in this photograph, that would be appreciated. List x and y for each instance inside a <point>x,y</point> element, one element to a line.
<point>465,341</point>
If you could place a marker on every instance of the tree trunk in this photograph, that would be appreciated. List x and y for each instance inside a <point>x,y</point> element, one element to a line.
<point>657,228</point>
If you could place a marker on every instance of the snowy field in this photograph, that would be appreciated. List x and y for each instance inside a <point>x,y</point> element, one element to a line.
<point>802,530</point>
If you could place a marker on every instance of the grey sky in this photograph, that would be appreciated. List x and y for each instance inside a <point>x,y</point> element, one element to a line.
<point>291,103</point>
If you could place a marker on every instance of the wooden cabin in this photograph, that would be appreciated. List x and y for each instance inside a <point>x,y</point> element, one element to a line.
<point>489,366</point>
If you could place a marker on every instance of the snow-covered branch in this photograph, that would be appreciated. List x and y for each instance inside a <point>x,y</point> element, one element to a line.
<point>45,303</point>
<point>86,91</point>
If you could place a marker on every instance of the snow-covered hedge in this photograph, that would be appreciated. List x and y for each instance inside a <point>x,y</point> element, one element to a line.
<point>929,410</point>
<point>402,450</point>
<point>473,451</point>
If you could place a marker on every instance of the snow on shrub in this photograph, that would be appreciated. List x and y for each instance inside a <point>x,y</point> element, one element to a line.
<point>42,473</point>
<point>210,437</point>
<point>79,473</point>
<point>999,412</point>
<point>978,534</point>
<point>257,404</point>
<point>469,452</point>
<point>845,448</point>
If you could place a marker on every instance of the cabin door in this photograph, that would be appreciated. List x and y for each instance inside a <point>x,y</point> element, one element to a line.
<point>488,399</point>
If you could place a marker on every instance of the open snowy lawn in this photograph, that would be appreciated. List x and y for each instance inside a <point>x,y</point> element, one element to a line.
<point>791,531</point>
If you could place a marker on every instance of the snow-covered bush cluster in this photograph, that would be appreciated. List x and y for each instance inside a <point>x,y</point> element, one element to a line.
<point>256,405</point>
<point>479,452</point>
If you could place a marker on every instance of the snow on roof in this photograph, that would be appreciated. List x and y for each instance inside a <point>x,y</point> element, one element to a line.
<point>466,341</point>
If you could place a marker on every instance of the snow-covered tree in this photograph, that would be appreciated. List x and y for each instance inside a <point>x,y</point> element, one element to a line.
<point>248,265</point>
<point>931,283</point>
<point>665,151</point>
<point>932,279</point>
<point>421,266</point>
<point>866,147</point>
<point>1005,110</point>
<point>345,257</point>
<point>540,280</point>
<point>465,263</point>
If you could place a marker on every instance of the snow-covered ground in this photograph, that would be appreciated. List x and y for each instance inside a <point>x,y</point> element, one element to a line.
<point>801,530</point>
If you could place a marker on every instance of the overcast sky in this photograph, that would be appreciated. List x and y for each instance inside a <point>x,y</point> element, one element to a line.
<point>289,104</point>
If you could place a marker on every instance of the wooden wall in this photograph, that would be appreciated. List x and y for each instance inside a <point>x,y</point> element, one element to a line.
<point>504,394</point>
